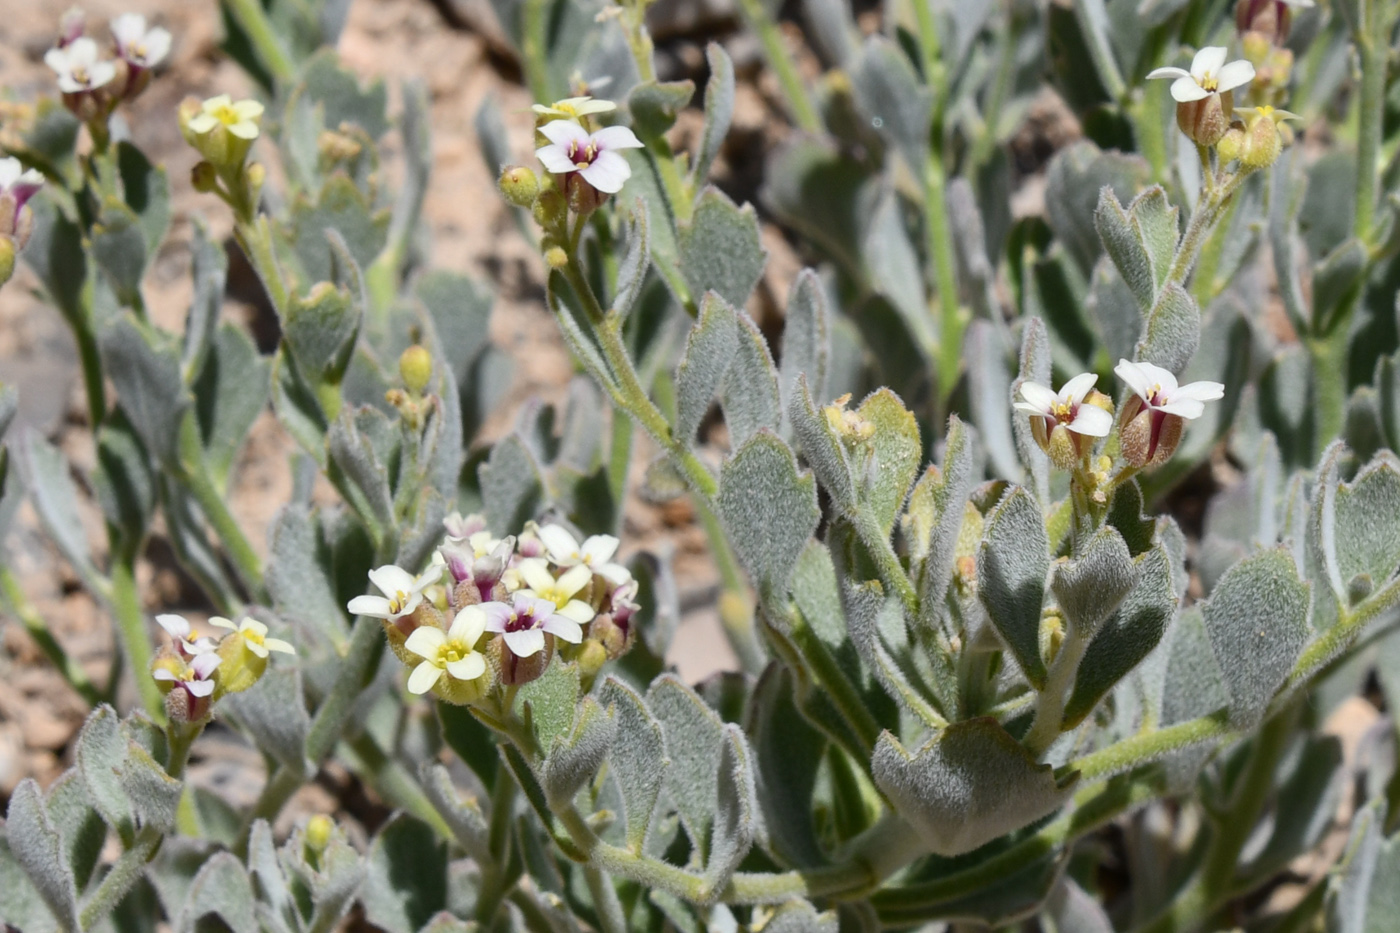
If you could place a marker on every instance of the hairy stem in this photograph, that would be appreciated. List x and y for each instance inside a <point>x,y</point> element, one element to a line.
<point>1372,49</point>
<point>1148,747</point>
<point>799,100</point>
<point>249,15</point>
<point>211,502</point>
<point>1050,705</point>
<point>135,641</point>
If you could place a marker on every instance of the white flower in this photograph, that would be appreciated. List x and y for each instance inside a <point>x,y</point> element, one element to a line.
<point>593,155</point>
<point>402,592</point>
<point>77,66</point>
<point>195,677</point>
<point>254,635</point>
<point>523,622</point>
<point>461,528</point>
<point>179,630</point>
<point>1067,408</point>
<point>541,584</point>
<point>140,47</point>
<point>452,653</point>
<point>1209,74</point>
<point>573,108</point>
<point>1157,389</point>
<point>17,186</point>
<point>596,553</point>
<point>241,118</point>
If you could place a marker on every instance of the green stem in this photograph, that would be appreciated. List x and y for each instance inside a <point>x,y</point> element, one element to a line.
<point>611,918</point>
<point>892,573</point>
<point>533,26</point>
<point>125,872</point>
<point>135,642</point>
<point>33,623</point>
<point>1100,52</point>
<point>250,15</point>
<point>1203,220</point>
<point>91,361</point>
<point>940,246</point>
<point>830,678</point>
<point>799,101</point>
<point>1149,747</point>
<point>393,782</point>
<point>1050,705</point>
<point>1214,883</point>
<point>255,239</point>
<point>1372,49</point>
<point>619,461</point>
<point>195,474</point>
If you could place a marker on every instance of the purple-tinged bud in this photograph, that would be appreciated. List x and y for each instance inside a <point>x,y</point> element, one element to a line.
<point>516,670</point>
<point>1206,120</point>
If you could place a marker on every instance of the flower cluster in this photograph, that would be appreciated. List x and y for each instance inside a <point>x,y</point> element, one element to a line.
<point>194,672</point>
<point>17,186</point>
<point>491,611</point>
<point>223,131</point>
<point>1066,424</point>
<point>91,84</point>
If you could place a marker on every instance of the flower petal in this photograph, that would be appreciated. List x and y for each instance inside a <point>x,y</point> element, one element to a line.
<point>1091,421</point>
<point>201,123</point>
<point>469,668</point>
<point>425,641</point>
<point>563,132</point>
<point>203,664</point>
<point>277,644</point>
<point>221,622</point>
<point>1185,90</point>
<point>561,546</point>
<point>599,549</point>
<point>199,688</point>
<point>1041,398</point>
<point>563,627</point>
<point>128,28</point>
<point>1078,387</point>
<point>1188,408</point>
<point>100,74</point>
<point>556,159</point>
<point>376,607</point>
<point>424,677</point>
<point>497,614</point>
<point>1200,391</point>
<point>257,649</point>
<point>1169,72</point>
<point>244,129</point>
<point>617,137</point>
<point>468,625</point>
<point>578,610</point>
<point>1134,377</point>
<point>1233,75</point>
<point>573,580</point>
<point>608,173</point>
<point>1207,63</point>
<point>616,574</point>
<point>391,579</point>
<point>157,46</point>
<point>525,643</point>
<point>57,59</point>
<point>175,626</point>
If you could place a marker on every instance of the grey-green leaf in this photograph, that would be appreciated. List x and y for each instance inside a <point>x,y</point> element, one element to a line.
<point>769,509</point>
<point>221,888</point>
<point>1090,587</point>
<point>822,448</point>
<point>719,108</point>
<point>511,485</point>
<point>806,337</point>
<point>638,758</point>
<point>1172,330</point>
<point>574,759</point>
<point>750,400</point>
<point>695,742</point>
<point>967,786</point>
<point>1257,620</point>
<point>406,876</point>
<point>720,248</point>
<point>710,348</point>
<point>1011,568</point>
<point>38,848</point>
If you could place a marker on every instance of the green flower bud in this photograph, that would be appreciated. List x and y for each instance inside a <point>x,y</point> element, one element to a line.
<point>519,185</point>
<point>550,209</point>
<point>1230,145</point>
<point>416,369</point>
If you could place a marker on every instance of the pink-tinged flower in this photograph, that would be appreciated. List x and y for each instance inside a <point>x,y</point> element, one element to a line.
<point>71,26</point>
<point>1204,96</point>
<point>451,654</point>
<point>78,68</point>
<point>402,592</point>
<point>594,156</point>
<point>596,553</point>
<point>541,584</point>
<point>189,685</point>
<point>180,630</point>
<point>1065,423</point>
<point>1272,18</point>
<point>460,528</point>
<point>481,566</point>
<point>613,626</point>
<point>253,635</point>
<point>1152,419</point>
<point>138,46</point>
<point>17,186</point>
<point>525,620</point>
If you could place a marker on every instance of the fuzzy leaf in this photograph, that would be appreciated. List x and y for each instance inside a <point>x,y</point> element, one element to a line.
<point>574,759</point>
<point>719,108</point>
<point>769,509</point>
<point>656,105</point>
<point>989,385</point>
<point>638,758</point>
<point>549,701</point>
<point>78,824</point>
<point>632,268</point>
<point>319,328</point>
<point>967,786</point>
<point>893,268</point>
<point>100,755</point>
<point>788,754</point>
<point>51,490</point>
<point>1365,548</point>
<point>1127,637</point>
<point>720,248</point>
<point>1071,910</point>
<point>709,350</point>
<point>825,453</point>
<point>750,400</point>
<point>462,815</point>
<point>1034,367</point>
<point>1011,569</point>
<point>1364,891</point>
<point>1257,620</point>
<point>352,446</point>
<point>231,392</point>
<point>511,485</point>
<point>695,743</point>
<point>898,105</point>
<point>947,495</point>
<point>1172,330</point>
<point>798,916</point>
<point>1090,587</point>
<point>1155,222</point>
<point>894,452</point>
<point>144,365</point>
<point>38,848</point>
<point>119,250</point>
<point>1077,175</point>
<point>806,337</point>
<point>737,818</point>
<point>221,888</point>
<point>273,713</point>
<point>406,876</point>
<point>1125,247</point>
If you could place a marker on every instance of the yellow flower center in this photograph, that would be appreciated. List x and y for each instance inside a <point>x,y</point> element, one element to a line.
<point>1063,411</point>
<point>252,637</point>
<point>80,75</point>
<point>1209,83</point>
<point>452,651</point>
<point>566,109</point>
<point>226,115</point>
<point>398,601</point>
<point>138,50</point>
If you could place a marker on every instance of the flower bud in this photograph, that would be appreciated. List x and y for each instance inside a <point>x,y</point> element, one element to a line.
<point>189,108</point>
<point>1205,121</point>
<point>1262,143</point>
<point>1064,447</point>
<point>1271,18</point>
<point>1147,437</point>
<point>583,198</point>
<point>555,257</point>
<point>520,186</point>
<point>71,26</point>
<point>167,660</point>
<point>204,177</point>
<point>416,368</point>
<point>7,259</point>
<point>550,209</point>
<point>318,834</point>
<point>464,692</point>
<point>1255,47</point>
<point>514,669</point>
<point>1230,145</point>
<point>592,656</point>
<point>256,175</point>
